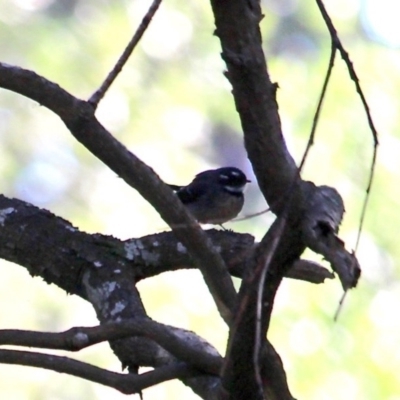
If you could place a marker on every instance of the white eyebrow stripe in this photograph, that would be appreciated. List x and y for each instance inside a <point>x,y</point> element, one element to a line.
<point>235,173</point>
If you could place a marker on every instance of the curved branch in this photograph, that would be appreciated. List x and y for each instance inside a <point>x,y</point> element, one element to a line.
<point>79,118</point>
<point>50,247</point>
<point>125,383</point>
<point>337,44</point>
<point>184,345</point>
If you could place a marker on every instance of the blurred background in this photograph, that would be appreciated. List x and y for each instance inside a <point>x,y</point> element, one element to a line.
<point>173,108</point>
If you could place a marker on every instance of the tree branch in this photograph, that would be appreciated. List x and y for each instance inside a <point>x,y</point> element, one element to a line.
<point>320,225</point>
<point>105,270</point>
<point>125,383</point>
<point>184,345</point>
<point>237,25</point>
<point>50,247</point>
<point>99,94</point>
<point>240,373</point>
<point>91,267</point>
<point>337,44</point>
<point>62,252</point>
<point>79,117</point>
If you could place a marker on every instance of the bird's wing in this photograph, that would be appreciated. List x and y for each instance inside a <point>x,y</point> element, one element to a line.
<point>191,193</point>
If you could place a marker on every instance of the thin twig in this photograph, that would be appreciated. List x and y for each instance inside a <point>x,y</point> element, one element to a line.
<point>260,293</point>
<point>319,107</point>
<point>366,199</point>
<point>340,305</point>
<point>336,43</point>
<point>99,94</point>
<point>353,76</point>
<point>248,216</point>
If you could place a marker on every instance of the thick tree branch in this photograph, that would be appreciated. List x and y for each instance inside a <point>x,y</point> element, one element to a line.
<point>79,117</point>
<point>237,25</point>
<point>50,247</point>
<point>104,271</point>
<point>246,355</point>
<point>97,283</point>
<point>34,238</point>
<point>254,94</point>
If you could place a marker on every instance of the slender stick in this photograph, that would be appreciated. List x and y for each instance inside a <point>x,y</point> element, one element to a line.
<point>319,107</point>
<point>353,76</point>
<point>99,94</point>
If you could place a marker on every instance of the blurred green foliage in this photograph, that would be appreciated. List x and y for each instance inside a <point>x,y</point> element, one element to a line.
<point>173,108</point>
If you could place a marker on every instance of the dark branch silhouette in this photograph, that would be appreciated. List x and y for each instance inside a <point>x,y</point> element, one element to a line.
<point>104,270</point>
<point>317,113</point>
<point>79,118</point>
<point>125,383</point>
<point>337,44</point>
<point>99,94</point>
<point>191,351</point>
